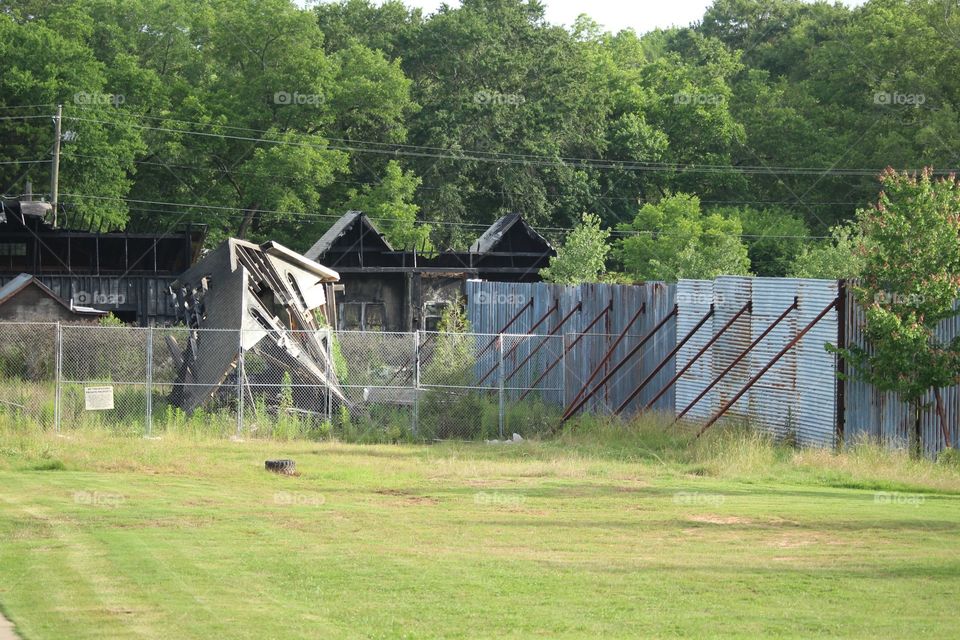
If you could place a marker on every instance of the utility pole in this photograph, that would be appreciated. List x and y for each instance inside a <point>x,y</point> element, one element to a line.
<point>55,171</point>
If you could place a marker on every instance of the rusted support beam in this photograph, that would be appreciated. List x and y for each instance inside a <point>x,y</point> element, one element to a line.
<point>603,381</point>
<point>607,355</point>
<point>665,360</point>
<point>567,348</point>
<point>703,350</point>
<point>543,318</point>
<point>943,417</point>
<point>768,366</point>
<point>737,360</point>
<point>546,339</point>
<point>516,316</point>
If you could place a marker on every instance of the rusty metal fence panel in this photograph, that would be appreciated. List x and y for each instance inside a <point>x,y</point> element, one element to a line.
<point>774,400</point>
<point>796,397</point>
<point>694,298</point>
<point>816,367</point>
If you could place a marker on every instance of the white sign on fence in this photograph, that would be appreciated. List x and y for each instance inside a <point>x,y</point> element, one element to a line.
<point>98,398</point>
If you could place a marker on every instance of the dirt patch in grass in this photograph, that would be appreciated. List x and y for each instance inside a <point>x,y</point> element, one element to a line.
<point>715,519</point>
<point>796,540</point>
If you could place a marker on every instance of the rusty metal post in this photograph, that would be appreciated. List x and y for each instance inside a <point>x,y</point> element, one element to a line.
<point>767,367</point>
<point>563,355</point>
<point>578,404</point>
<point>665,360</point>
<point>942,416</point>
<point>699,354</point>
<point>737,360</point>
<point>841,382</point>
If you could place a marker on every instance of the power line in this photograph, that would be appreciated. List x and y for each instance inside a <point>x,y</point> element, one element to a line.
<point>45,117</point>
<point>520,159</point>
<point>239,211</point>
<point>255,174</point>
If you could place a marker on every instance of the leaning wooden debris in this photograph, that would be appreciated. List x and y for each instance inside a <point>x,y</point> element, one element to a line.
<point>264,300</point>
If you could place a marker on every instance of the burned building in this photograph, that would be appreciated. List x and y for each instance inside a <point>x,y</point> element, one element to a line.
<point>246,300</point>
<point>386,289</point>
<point>127,273</point>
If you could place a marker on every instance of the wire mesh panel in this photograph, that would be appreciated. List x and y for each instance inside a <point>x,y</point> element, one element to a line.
<point>28,362</point>
<point>374,398</point>
<point>533,393</point>
<point>103,371</point>
<point>459,386</point>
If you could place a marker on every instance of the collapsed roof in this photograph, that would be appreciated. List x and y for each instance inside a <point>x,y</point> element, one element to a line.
<point>263,299</point>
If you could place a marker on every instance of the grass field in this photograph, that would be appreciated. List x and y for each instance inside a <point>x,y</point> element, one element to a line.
<point>601,532</point>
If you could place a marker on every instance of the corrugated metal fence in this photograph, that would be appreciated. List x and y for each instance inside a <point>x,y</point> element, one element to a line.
<point>690,347</point>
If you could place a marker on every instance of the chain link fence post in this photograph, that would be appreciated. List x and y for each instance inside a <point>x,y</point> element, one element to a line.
<point>57,374</point>
<point>149,382</point>
<point>331,376</point>
<point>416,382</point>
<point>501,384</point>
<point>240,376</point>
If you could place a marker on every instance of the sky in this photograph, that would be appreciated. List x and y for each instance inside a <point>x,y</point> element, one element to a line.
<point>613,15</point>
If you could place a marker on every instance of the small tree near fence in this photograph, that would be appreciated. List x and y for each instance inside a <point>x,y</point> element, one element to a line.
<point>909,284</point>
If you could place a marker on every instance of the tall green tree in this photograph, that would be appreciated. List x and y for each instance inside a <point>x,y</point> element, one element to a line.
<point>909,284</point>
<point>583,255</point>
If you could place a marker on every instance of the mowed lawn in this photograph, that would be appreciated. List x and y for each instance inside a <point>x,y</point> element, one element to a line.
<point>104,537</point>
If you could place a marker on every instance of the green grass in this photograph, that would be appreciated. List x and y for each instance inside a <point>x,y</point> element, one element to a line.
<point>607,530</point>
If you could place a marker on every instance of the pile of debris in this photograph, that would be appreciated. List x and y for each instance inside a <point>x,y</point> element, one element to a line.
<point>266,300</point>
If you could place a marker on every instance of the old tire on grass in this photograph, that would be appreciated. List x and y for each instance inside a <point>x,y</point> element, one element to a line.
<point>286,467</point>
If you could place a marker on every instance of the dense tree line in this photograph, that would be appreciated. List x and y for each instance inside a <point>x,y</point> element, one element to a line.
<point>742,143</point>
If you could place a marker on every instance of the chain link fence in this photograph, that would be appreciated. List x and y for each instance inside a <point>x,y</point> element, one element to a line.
<point>357,385</point>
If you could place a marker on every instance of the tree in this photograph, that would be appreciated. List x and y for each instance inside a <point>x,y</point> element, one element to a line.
<point>673,239</point>
<point>774,238</point>
<point>583,256</point>
<point>838,256</point>
<point>909,284</point>
<point>40,66</point>
<point>390,205</point>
